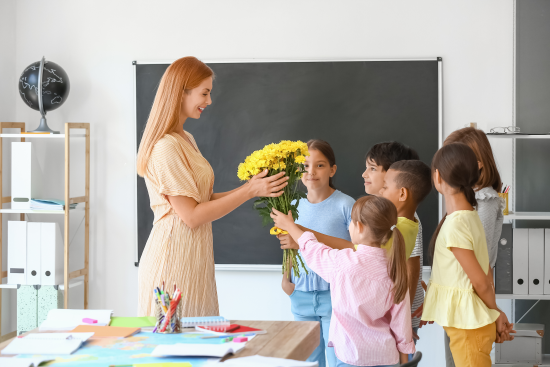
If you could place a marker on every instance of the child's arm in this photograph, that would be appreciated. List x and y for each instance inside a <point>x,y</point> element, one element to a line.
<point>320,258</point>
<point>400,326</point>
<point>483,287</point>
<point>287,285</point>
<point>333,242</point>
<point>413,268</point>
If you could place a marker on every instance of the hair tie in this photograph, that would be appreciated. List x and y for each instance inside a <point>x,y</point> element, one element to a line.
<point>392,228</point>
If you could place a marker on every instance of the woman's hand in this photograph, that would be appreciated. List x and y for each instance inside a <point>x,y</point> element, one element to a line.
<point>287,242</point>
<point>282,221</point>
<point>272,186</point>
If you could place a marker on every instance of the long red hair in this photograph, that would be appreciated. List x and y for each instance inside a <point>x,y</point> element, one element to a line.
<point>184,74</point>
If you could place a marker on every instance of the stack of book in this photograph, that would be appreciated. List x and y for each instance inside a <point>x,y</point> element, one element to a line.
<point>49,204</point>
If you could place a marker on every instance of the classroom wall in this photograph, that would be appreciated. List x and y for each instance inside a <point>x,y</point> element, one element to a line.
<point>8,95</point>
<point>96,42</point>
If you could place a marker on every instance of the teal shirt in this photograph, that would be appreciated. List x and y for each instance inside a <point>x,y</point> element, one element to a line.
<point>332,217</point>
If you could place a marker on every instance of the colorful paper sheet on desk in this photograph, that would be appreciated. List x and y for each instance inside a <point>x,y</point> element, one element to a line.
<point>231,329</point>
<point>146,321</point>
<point>135,349</point>
<point>107,331</point>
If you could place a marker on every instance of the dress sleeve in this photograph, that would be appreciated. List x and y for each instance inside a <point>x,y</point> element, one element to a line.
<point>460,236</point>
<point>172,170</point>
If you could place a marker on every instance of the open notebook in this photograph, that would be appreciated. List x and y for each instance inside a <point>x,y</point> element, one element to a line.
<point>42,346</point>
<point>197,350</point>
<point>62,319</point>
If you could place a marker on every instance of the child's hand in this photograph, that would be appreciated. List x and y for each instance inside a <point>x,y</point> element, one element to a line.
<point>282,221</point>
<point>287,242</point>
<point>504,328</point>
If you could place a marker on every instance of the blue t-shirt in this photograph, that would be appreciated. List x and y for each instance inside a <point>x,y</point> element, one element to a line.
<point>332,217</point>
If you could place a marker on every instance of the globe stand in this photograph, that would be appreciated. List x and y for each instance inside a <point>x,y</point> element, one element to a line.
<point>44,128</point>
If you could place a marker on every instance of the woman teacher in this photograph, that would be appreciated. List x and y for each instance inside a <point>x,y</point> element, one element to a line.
<point>180,182</point>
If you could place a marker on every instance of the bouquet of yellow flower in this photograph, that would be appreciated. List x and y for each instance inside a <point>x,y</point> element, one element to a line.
<point>288,156</point>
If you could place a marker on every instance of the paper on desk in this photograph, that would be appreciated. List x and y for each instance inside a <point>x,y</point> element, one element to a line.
<point>197,350</point>
<point>42,346</point>
<point>261,361</point>
<point>62,319</point>
<point>60,336</point>
<point>22,362</point>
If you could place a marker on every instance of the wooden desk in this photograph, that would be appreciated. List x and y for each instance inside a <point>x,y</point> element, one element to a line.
<point>284,339</point>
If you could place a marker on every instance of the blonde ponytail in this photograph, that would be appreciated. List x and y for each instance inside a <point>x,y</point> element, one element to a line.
<point>397,267</point>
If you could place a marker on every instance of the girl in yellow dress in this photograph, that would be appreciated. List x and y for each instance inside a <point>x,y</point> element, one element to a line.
<point>460,295</point>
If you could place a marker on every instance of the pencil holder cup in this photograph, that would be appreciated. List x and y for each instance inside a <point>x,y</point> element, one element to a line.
<point>505,197</point>
<point>174,327</point>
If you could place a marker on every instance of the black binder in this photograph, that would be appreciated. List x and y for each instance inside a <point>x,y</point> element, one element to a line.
<point>504,265</point>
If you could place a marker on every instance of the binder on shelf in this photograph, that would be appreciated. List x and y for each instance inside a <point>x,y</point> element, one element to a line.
<point>547,261</point>
<point>536,261</point>
<point>33,253</point>
<point>25,175</point>
<point>504,265</point>
<point>17,252</point>
<point>51,254</point>
<point>520,258</point>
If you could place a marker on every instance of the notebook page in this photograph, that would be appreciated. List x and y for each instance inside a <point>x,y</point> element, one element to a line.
<point>197,350</point>
<point>42,346</point>
<point>60,336</point>
<point>62,319</point>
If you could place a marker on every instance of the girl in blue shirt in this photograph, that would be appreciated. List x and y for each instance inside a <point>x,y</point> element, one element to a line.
<point>328,211</point>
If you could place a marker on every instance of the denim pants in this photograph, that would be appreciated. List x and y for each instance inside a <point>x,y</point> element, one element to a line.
<point>315,306</point>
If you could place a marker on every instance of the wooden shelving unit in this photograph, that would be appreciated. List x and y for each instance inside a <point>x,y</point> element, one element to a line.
<point>66,212</point>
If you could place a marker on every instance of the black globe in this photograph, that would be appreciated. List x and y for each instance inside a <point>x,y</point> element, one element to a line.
<point>55,86</point>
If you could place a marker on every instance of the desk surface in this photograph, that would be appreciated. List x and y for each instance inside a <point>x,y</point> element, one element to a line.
<point>284,339</point>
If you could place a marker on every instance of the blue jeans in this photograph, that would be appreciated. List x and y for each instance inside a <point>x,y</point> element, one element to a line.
<point>315,306</point>
<point>339,363</point>
<point>415,329</point>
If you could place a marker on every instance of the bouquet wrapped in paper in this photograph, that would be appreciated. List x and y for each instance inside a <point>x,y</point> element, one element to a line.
<point>288,156</point>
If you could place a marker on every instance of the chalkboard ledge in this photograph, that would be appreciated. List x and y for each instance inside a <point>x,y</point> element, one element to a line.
<point>247,267</point>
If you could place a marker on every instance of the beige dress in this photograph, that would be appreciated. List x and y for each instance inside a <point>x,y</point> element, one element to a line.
<point>174,252</point>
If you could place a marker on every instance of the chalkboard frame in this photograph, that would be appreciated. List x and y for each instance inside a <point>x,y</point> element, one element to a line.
<point>269,267</point>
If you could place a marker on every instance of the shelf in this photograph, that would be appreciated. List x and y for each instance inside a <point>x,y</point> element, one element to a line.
<point>535,297</point>
<point>528,215</point>
<point>545,363</point>
<point>518,136</point>
<point>41,136</point>
<point>32,211</point>
<point>61,286</point>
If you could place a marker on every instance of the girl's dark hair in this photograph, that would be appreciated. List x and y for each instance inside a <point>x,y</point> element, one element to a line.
<point>379,214</point>
<point>477,140</point>
<point>325,149</point>
<point>457,166</point>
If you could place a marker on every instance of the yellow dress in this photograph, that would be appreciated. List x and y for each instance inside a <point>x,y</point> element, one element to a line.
<point>451,300</point>
<point>174,252</point>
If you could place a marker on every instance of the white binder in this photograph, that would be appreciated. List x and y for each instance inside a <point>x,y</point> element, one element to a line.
<point>547,261</point>
<point>17,252</point>
<point>521,260</point>
<point>33,253</point>
<point>25,175</point>
<point>536,261</point>
<point>51,254</point>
